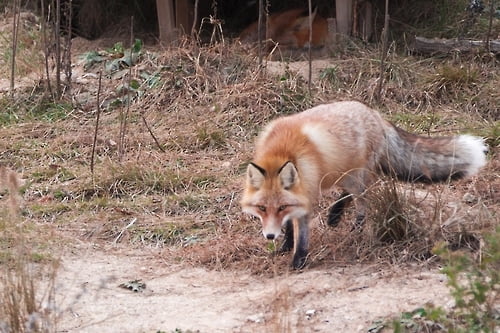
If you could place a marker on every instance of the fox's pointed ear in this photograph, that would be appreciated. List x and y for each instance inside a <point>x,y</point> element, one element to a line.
<point>289,175</point>
<point>302,22</point>
<point>255,175</point>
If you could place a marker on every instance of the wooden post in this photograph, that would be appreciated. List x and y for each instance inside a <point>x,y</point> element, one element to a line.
<point>367,22</point>
<point>184,15</point>
<point>344,16</point>
<point>166,20</point>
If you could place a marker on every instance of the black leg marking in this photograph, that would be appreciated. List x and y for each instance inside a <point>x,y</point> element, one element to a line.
<point>288,238</point>
<point>299,259</point>
<point>336,211</point>
<point>301,242</point>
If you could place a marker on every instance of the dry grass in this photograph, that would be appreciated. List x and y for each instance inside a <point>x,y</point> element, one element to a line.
<point>25,304</point>
<point>29,55</point>
<point>204,105</point>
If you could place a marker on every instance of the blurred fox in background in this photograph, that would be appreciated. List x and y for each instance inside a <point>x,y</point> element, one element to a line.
<point>289,29</point>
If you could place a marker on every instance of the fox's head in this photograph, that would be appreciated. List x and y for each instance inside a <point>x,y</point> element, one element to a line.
<point>274,196</point>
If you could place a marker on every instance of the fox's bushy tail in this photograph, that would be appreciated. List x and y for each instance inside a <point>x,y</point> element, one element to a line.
<point>411,157</point>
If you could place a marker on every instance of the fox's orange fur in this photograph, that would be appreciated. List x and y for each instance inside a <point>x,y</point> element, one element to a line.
<point>344,144</point>
<point>289,29</point>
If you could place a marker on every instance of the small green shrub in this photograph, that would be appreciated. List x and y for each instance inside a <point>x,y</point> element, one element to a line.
<point>475,287</point>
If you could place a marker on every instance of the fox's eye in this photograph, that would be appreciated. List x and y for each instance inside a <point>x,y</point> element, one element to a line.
<point>262,208</point>
<point>281,208</point>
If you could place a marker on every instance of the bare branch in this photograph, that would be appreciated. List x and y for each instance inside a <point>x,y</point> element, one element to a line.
<point>46,48</point>
<point>96,124</point>
<point>385,34</point>
<point>309,47</point>
<point>15,30</point>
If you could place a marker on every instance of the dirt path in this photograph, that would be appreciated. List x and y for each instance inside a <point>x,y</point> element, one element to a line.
<point>345,299</point>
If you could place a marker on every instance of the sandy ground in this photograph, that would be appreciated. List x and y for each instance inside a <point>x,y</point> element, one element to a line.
<point>340,299</point>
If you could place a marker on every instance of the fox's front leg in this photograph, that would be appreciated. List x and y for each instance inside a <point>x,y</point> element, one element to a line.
<point>300,242</point>
<point>287,244</point>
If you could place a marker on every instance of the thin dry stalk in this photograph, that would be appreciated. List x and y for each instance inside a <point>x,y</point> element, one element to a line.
<point>57,34</point>
<point>67,49</point>
<point>281,310</point>
<point>15,30</point>
<point>152,134</point>
<point>18,299</point>
<point>124,115</point>
<point>45,47</point>
<point>490,25</point>
<point>20,303</point>
<point>309,54</point>
<point>217,29</point>
<point>259,31</point>
<point>195,20</point>
<point>96,124</point>
<point>385,33</point>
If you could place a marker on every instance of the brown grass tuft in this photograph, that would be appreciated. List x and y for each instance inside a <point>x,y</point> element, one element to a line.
<point>10,180</point>
<point>23,307</point>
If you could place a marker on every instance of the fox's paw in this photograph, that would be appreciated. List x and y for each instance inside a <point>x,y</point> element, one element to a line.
<point>299,260</point>
<point>287,245</point>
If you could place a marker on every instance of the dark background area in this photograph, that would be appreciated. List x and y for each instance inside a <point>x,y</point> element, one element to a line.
<point>96,18</point>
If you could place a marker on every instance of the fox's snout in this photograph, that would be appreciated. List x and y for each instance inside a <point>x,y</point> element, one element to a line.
<point>271,232</point>
<point>270,236</point>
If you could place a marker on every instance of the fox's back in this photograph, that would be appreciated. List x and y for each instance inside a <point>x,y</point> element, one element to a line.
<point>327,140</point>
<point>328,129</point>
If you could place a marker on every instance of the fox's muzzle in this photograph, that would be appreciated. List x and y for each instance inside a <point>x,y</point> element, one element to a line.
<point>271,233</point>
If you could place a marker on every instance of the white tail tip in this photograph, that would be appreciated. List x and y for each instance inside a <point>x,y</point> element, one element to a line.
<point>474,149</point>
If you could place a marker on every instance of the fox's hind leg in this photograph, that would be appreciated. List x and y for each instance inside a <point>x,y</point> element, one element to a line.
<point>356,183</point>
<point>337,209</point>
<point>288,238</point>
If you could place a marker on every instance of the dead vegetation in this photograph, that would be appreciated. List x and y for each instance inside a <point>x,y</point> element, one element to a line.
<point>26,306</point>
<point>174,136</point>
<point>191,115</point>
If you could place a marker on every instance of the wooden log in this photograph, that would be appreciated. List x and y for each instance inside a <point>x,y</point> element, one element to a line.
<point>445,46</point>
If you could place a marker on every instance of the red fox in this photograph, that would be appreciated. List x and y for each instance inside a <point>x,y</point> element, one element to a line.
<point>344,144</point>
<point>289,29</point>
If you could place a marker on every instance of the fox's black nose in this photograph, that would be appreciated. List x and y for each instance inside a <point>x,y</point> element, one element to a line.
<point>270,236</point>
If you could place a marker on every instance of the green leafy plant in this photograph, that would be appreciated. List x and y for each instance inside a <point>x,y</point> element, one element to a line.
<point>128,56</point>
<point>329,74</point>
<point>475,287</point>
<point>116,57</point>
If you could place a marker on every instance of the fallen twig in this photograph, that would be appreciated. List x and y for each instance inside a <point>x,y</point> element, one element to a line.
<point>124,229</point>
<point>152,134</point>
